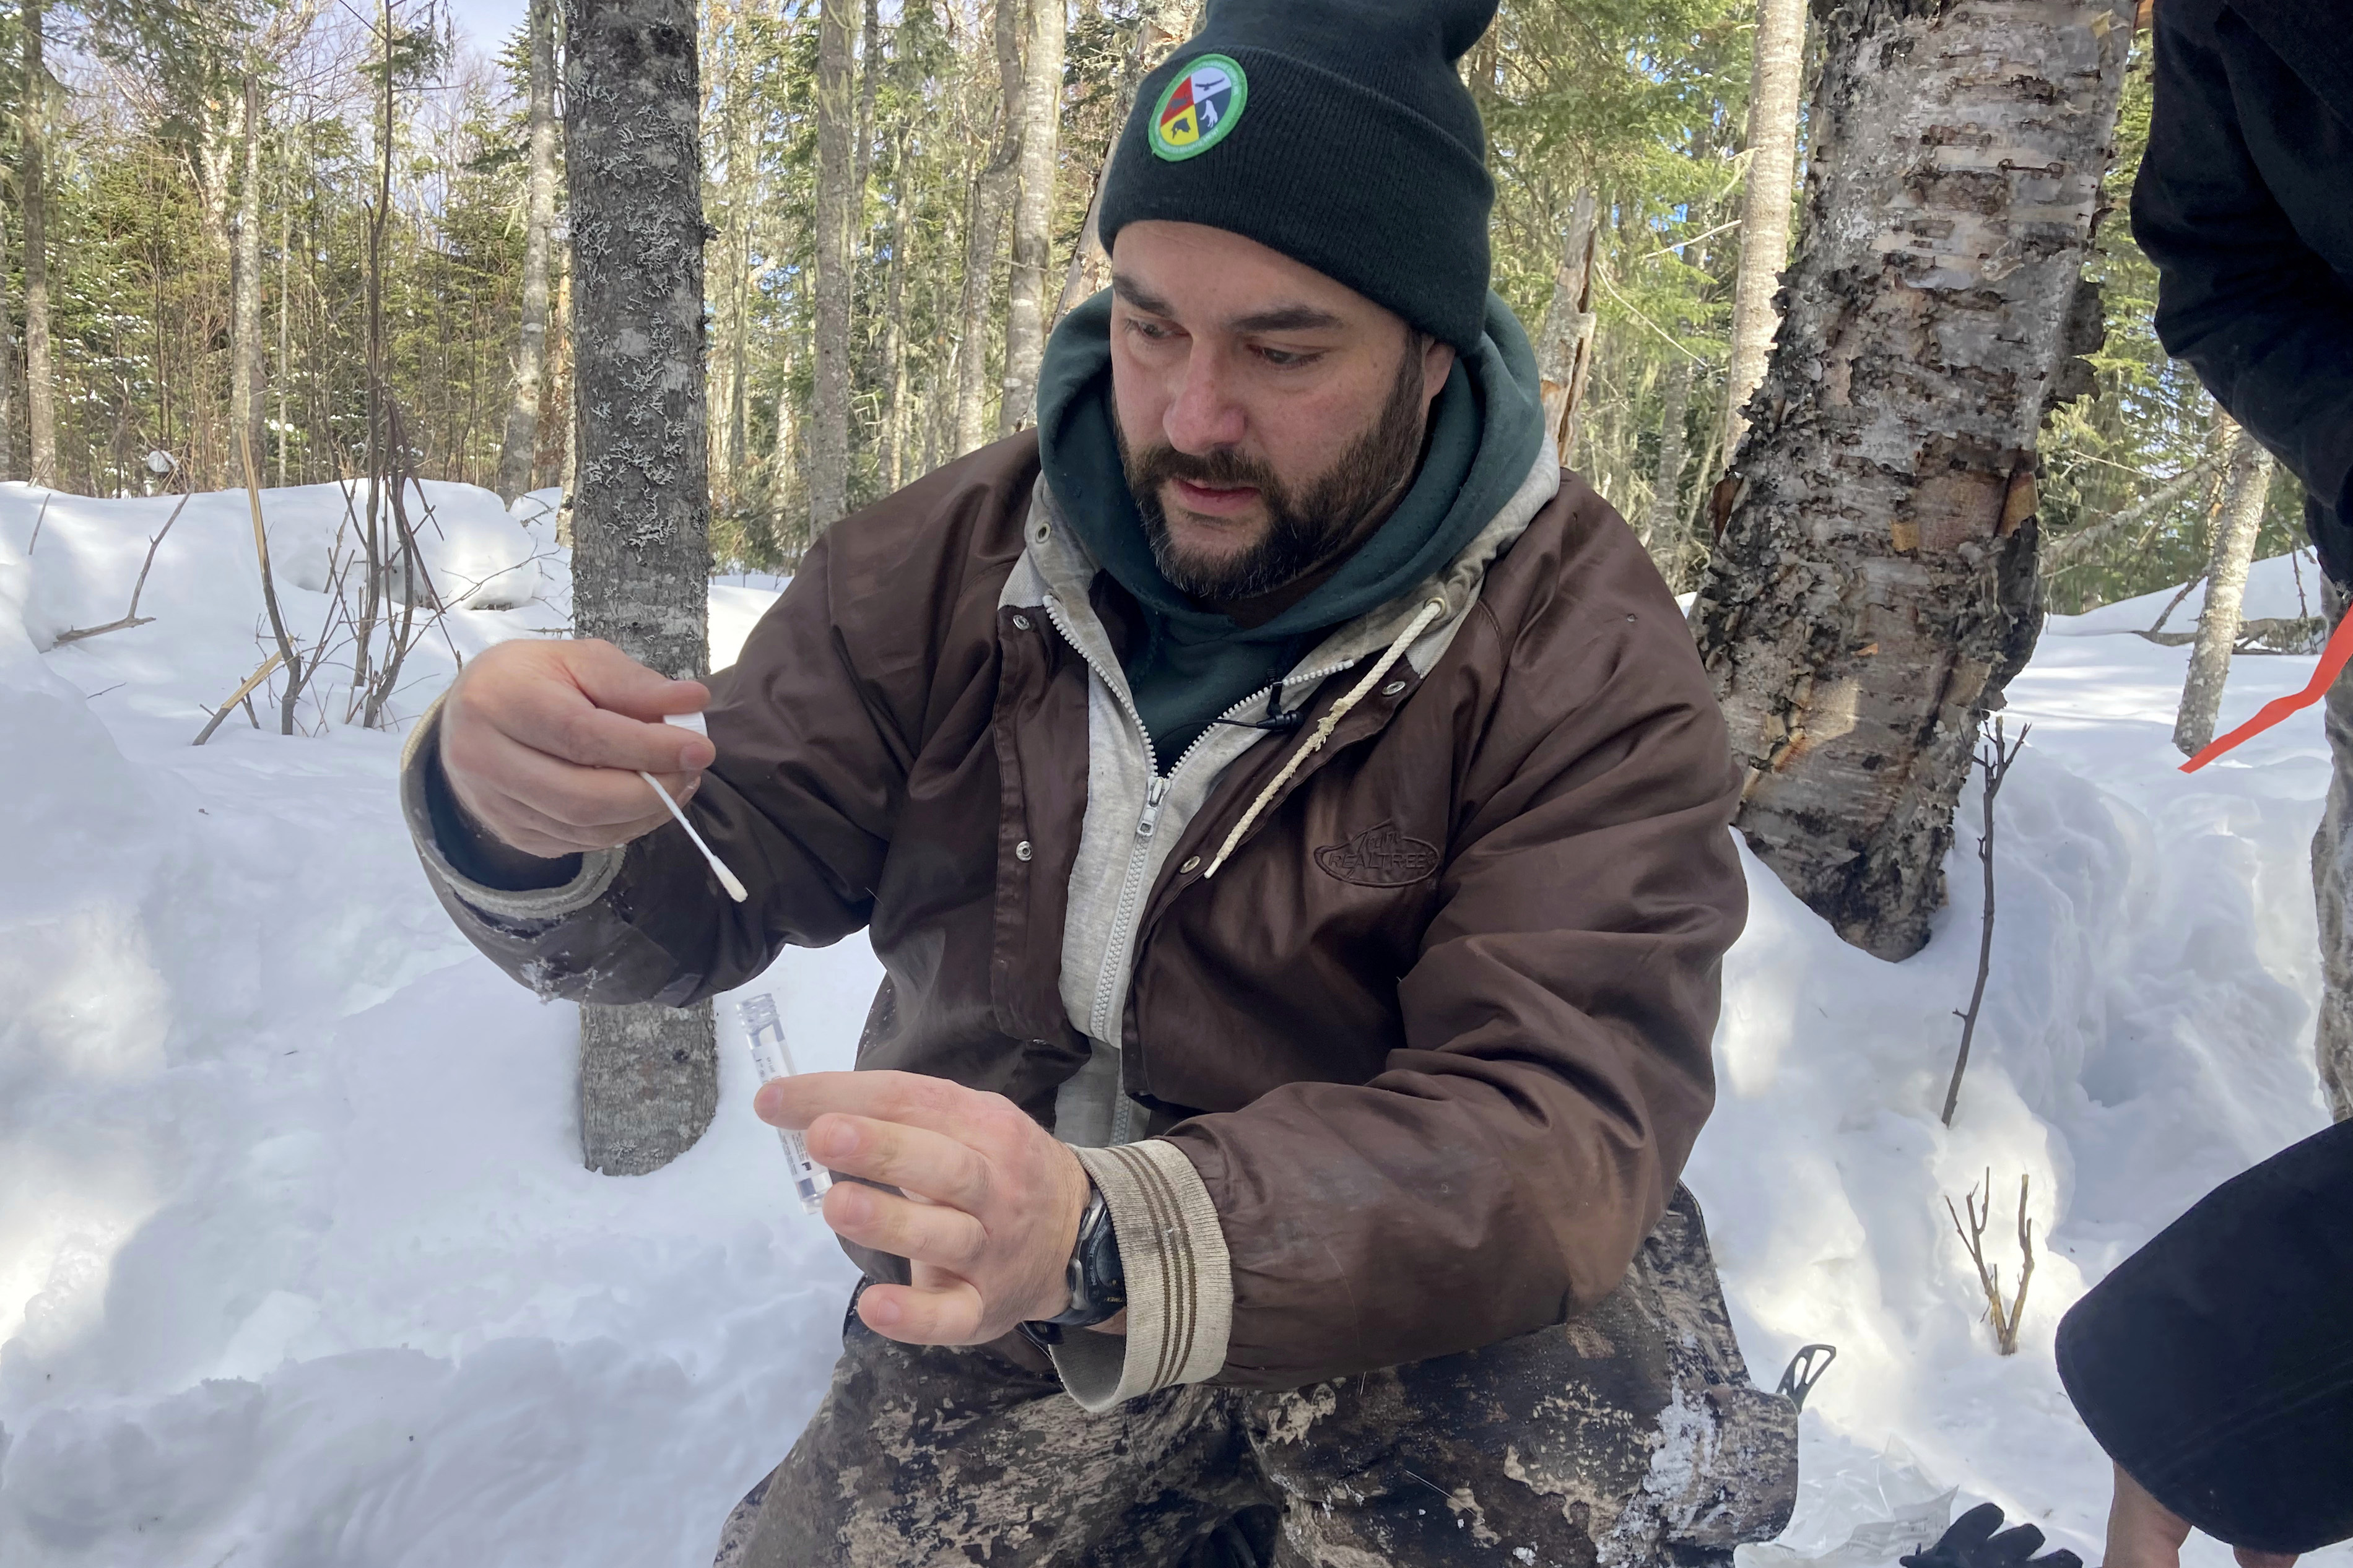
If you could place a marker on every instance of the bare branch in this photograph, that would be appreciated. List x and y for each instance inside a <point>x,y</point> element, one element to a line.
<point>1994,764</point>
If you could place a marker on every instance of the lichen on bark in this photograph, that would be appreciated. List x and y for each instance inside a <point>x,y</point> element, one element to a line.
<point>642,510</point>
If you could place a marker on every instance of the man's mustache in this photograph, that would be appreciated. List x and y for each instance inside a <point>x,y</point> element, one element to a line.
<point>1216,470</point>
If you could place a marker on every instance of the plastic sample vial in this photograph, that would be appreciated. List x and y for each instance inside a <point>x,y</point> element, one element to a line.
<point>764,1032</point>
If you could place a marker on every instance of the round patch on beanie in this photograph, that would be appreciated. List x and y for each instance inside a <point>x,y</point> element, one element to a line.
<point>1199,109</point>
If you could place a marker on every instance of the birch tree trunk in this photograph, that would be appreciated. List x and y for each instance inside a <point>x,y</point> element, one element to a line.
<point>246,390</point>
<point>641,555</point>
<point>1564,341</point>
<point>2244,495</point>
<point>520,447</point>
<point>829,399</point>
<point>1874,587</point>
<point>1033,215</point>
<point>2332,890</point>
<point>1660,532</point>
<point>990,196</point>
<point>1775,82</point>
<point>1161,27</point>
<point>40,379</point>
<point>8,368</point>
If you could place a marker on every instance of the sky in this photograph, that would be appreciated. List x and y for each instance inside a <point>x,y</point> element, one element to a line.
<point>488,22</point>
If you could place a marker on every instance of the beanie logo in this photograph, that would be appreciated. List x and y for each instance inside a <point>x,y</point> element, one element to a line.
<point>1199,109</point>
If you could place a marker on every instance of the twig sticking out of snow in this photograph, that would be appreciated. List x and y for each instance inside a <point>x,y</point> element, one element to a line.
<point>1994,764</point>
<point>2005,1320</point>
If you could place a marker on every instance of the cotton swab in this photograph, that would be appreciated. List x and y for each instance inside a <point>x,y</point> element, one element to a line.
<point>727,878</point>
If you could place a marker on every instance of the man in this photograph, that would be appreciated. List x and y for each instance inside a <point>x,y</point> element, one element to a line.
<point>2215,1366</point>
<point>1293,820</point>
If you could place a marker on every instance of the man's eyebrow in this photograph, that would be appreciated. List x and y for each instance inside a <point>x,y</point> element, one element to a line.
<point>1280,318</point>
<point>1287,318</point>
<point>1143,300</point>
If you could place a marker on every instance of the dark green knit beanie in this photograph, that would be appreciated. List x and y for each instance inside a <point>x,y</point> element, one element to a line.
<point>1336,131</point>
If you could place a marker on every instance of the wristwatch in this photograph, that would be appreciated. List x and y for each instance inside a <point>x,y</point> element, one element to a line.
<point>1098,1283</point>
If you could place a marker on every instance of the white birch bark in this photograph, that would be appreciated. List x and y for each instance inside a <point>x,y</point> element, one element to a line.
<point>521,441</point>
<point>40,378</point>
<point>1033,213</point>
<point>2332,887</point>
<point>641,559</point>
<point>829,398</point>
<point>1776,81</point>
<point>991,195</point>
<point>2232,552</point>
<point>1874,587</point>
<point>246,386</point>
<point>8,368</point>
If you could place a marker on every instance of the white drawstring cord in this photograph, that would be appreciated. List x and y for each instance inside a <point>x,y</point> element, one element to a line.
<point>1314,742</point>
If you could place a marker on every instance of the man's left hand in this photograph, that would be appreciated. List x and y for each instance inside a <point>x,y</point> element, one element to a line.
<point>987,1205</point>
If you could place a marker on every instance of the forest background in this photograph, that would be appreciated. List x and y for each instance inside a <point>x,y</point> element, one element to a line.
<point>290,216</point>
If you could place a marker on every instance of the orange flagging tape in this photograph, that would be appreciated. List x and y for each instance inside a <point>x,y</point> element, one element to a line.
<point>2333,660</point>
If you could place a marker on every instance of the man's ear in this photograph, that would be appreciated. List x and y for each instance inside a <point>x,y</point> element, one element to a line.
<point>1437,364</point>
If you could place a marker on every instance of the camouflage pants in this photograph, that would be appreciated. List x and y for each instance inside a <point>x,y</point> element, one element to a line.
<point>1629,1434</point>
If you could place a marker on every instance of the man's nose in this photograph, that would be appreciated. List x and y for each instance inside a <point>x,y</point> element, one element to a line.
<point>1205,416</point>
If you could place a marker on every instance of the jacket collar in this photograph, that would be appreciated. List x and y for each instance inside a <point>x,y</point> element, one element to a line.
<point>1055,563</point>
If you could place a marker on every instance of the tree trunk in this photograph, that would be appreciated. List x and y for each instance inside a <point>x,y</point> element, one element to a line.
<point>40,378</point>
<point>1874,588</point>
<point>1660,532</point>
<point>1774,85</point>
<point>2332,887</point>
<point>1564,341</point>
<point>2244,495</point>
<point>517,454</point>
<point>246,391</point>
<point>869,83</point>
<point>8,368</point>
<point>1033,215</point>
<point>830,398</point>
<point>989,198</point>
<point>1163,25</point>
<point>641,557</point>
<point>285,325</point>
<point>893,451</point>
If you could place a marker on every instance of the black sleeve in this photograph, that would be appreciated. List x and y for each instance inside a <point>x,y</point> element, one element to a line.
<point>2265,321</point>
<point>2216,1364</point>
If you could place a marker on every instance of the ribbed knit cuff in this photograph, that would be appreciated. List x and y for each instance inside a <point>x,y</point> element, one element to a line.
<point>1180,1283</point>
<point>420,786</point>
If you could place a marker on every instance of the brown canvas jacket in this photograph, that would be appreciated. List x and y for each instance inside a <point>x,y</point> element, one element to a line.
<point>1419,1065</point>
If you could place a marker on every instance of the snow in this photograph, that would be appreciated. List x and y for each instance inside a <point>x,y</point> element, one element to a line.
<point>298,1265</point>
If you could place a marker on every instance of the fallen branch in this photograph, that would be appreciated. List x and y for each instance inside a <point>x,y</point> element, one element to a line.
<point>131,617</point>
<point>2005,1319</point>
<point>268,667</point>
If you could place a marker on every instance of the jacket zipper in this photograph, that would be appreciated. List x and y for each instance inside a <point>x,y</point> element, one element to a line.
<point>1128,912</point>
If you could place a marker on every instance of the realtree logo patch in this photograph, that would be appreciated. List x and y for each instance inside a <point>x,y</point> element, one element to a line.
<point>1199,109</point>
<point>1380,857</point>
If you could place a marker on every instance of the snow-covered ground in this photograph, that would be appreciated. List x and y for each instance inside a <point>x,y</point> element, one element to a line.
<point>298,1266</point>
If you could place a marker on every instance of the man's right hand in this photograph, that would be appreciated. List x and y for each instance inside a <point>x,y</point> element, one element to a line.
<point>543,743</point>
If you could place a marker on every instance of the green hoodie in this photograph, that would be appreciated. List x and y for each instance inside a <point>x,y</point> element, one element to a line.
<point>1191,665</point>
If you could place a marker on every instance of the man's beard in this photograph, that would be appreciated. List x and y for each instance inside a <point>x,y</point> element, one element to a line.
<point>1304,531</point>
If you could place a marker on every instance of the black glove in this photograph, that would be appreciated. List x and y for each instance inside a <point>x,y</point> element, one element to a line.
<point>1973,1544</point>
